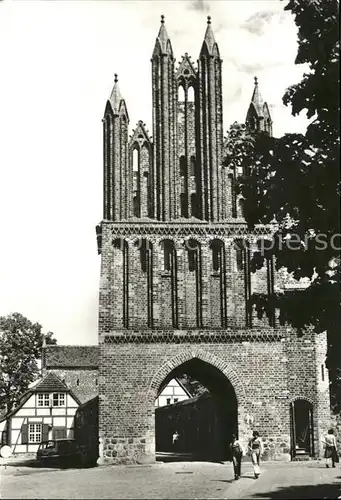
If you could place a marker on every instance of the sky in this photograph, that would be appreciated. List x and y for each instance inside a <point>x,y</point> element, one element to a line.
<point>58,59</point>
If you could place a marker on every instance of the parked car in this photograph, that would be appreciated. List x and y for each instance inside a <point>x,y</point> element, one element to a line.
<point>65,452</point>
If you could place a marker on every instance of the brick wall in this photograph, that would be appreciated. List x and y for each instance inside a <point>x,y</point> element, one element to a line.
<point>268,367</point>
<point>260,373</point>
<point>212,291</point>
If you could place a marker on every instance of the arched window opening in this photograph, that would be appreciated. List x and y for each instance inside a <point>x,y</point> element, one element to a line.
<point>107,151</point>
<point>243,265</point>
<point>135,160</point>
<point>197,173</point>
<point>219,269</point>
<point>232,182</point>
<point>194,266</point>
<point>168,251</point>
<point>136,205</point>
<point>145,249</point>
<point>240,251</point>
<point>192,165</point>
<point>216,247</point>
<point>241,206</point>
<point>181,94</point>
<point>190,94</point>
<point>193,249</point>
<point>183,166</point>
<point>194,205</point>
<point>170,266</point>
<point>183,205</point>
<point>122,245</point>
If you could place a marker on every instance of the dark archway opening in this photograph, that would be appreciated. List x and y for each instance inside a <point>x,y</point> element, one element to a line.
<point>205,422</point>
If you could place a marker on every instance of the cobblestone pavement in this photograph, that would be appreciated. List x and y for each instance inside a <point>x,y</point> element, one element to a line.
<point>172,480</point>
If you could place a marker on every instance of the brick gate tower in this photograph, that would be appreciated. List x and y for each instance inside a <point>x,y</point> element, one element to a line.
<point>176,276</point>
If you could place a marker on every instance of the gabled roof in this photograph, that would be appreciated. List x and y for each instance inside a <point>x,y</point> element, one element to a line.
<point>164,385</point>
<point>140,134</point>
<point>51,382</point>
<point>183,388</point>
<point>186,68</point>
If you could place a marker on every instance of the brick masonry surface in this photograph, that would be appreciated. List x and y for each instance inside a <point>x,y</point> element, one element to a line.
<point>264,378</point>
<point>176,280</point>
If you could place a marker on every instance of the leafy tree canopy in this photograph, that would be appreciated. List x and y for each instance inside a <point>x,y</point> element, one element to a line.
<point>20,348</point>
<point>194,387</point>
<point>294,181</point>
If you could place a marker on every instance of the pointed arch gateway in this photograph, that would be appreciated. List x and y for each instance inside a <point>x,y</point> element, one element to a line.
<point>205,422</point>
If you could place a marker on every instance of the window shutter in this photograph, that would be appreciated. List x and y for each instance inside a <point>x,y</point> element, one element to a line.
<point>45,435</point>
<point>24,434</point>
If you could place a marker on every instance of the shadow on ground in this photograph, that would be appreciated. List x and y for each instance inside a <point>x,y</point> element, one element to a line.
<point>167,456</point>
<point>35,464</point>
<point>322,491</point>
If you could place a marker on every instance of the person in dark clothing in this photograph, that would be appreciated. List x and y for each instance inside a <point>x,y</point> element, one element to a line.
<point>236,456</point>
<point>330,453</point>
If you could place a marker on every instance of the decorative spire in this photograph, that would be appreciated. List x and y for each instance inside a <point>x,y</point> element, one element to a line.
<point>115,96</point>
<point>258,116</point>
<point>209,39</point>
<point>163,38</point>
<point>257,99</point>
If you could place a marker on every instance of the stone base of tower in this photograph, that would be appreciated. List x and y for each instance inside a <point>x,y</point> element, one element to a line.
<point>275,387</point>
<point>126,451</point>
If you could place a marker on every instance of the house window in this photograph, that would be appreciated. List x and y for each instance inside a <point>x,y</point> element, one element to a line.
<point>168,401</point>
<point>34,433</point>
<point>58,399</point>
<point>176,400</point>
<point>43,399</point>
<point>322,373</point>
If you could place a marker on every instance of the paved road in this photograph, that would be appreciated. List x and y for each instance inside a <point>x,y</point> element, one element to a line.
<point>187,480</point>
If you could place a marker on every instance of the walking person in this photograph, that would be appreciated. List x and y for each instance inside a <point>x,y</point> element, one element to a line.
<point>175,440</point>
<point>256,450</point>
<point>236,456</point>
<point>330,452</point>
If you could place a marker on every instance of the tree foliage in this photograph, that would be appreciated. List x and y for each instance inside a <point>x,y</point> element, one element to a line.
<point>20,348</point>
<point>193,386</point>
<point>294,181</point>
